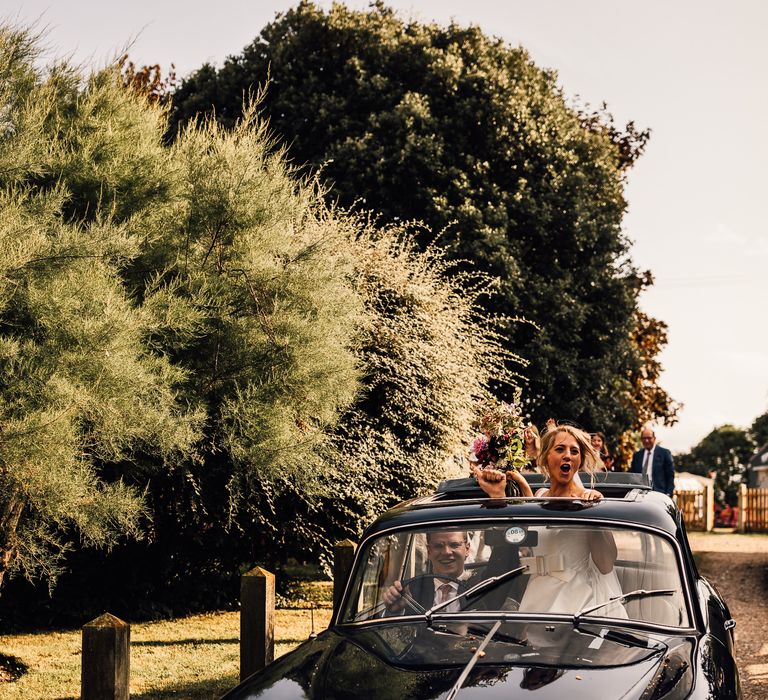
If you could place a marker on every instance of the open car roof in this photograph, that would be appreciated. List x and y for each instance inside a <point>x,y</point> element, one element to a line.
<point>610,484</point>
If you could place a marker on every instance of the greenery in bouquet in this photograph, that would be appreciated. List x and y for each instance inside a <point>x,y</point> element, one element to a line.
<point>499,444</point>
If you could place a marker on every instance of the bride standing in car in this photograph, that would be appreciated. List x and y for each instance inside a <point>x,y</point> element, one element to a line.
<point>569,570</point>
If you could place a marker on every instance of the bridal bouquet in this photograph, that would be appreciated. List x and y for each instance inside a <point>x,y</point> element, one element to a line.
<point>500,442</point>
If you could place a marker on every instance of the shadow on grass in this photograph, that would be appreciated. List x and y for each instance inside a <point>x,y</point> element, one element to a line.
<point>11,668</point>
<point>201,690</point>
<point>209,689</point>
<point>184,642</point>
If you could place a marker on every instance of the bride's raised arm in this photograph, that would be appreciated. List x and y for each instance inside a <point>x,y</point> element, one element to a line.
<point>494,482</point>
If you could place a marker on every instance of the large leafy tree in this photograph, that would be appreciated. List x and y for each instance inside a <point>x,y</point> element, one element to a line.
<point>725,451</point>
<point>190,323</point>
<point>427,354</point>
<point>759,430</point>
<point>189,308</point>
<point>456,129</point>
<point>266,272</point>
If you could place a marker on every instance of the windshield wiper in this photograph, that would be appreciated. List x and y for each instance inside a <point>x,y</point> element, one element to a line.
<point>639,593</point>
<point>622,637</point>
<point>482,587</point>
<point>480,651</point>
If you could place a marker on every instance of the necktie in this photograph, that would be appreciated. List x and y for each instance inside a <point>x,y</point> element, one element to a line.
<point>646,470</point>
<point>444,592</point>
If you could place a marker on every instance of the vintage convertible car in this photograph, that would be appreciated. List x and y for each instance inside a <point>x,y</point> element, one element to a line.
<point>654,628</point>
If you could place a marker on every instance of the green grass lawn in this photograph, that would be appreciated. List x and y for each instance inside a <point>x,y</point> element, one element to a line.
<point>194,657</point>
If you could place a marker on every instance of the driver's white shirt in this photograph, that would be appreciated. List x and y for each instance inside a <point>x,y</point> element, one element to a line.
<point>455,606</point>
<point>648,464</point>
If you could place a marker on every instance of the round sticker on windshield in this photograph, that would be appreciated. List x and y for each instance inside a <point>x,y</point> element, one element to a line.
<point>514,535</point>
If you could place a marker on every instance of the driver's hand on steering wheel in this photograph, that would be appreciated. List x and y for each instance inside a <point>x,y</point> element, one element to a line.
<point>393,597</point>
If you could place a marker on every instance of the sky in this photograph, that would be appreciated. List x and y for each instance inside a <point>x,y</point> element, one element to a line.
<point>693,71</point>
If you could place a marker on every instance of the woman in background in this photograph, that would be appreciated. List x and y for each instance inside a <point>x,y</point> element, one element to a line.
<point>532,445</point>
<point>599,443</point>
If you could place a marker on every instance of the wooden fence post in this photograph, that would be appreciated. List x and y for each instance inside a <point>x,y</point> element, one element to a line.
<point>257,620</point>
<point>106,659</point>
<point>742,508</point>
<point>709,517</point>
<point>343,556</point>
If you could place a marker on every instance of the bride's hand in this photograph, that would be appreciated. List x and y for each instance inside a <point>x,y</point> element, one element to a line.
<point>493,482</point>
<point>591,495</point>
<point>522,484</point>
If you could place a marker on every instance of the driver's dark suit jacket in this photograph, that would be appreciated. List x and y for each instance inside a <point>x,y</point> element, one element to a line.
<point>503,558</point>
<point>423,590</point>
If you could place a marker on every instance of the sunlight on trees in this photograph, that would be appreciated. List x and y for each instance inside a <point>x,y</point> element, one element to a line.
<point>80,387</point>
<point>186,329</point>
<point>449,126</point>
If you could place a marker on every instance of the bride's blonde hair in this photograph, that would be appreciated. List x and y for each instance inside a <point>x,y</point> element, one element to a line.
<point>590,460</point>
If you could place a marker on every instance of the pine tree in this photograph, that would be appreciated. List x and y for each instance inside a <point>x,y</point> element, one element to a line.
<point>193,343</point>
<point>81,388</point>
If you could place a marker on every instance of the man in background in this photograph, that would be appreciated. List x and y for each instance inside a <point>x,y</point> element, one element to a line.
<point>655,462</point>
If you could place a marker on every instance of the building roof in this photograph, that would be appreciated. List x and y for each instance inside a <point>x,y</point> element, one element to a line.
<point>685,481</point>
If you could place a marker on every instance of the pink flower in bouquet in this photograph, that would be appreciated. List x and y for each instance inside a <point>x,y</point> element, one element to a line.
<point>480,450</point>
<point>500,442</point>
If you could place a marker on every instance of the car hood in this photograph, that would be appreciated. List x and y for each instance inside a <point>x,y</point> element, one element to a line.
<point>382,662</point>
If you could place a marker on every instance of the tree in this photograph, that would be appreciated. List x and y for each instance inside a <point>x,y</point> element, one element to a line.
<point>455,129</point>
<point>758,431</point>
<point>81,387</point>
<point>252,281</point>
<point>427,354</point>
<point>148,80</point>
<point>726,450</point>
<point>193,324</point>
<point>265,269</point>
<point>163,310</point>
<point>647,400</point>
<point>423,353</point>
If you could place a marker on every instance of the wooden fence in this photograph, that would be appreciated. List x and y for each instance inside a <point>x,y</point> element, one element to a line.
<point>693,506</point>
<point>697,507</point>
<point>753,509</point>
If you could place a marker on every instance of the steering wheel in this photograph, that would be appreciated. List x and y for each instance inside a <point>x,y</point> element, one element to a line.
<point>410,600</point>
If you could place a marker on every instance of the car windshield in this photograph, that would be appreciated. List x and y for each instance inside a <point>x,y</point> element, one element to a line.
<point>561,569</point>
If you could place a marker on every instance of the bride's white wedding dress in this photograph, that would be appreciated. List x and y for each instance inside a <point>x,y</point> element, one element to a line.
<point>564,579</point>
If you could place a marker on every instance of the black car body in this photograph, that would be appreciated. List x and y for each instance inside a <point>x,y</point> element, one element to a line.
<point>671,638</point>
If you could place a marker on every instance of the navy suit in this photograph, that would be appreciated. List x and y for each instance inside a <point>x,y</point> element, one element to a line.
<point>663,469</point>
<point>503,558</point>
<point>423,590</point>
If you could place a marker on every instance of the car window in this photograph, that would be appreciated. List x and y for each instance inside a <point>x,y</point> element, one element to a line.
<point>561,571</point>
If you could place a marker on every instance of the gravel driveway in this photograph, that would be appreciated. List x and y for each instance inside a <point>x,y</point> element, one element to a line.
<point>738,566</point>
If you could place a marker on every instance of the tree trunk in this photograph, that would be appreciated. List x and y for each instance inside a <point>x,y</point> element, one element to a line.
<point>10,512</point>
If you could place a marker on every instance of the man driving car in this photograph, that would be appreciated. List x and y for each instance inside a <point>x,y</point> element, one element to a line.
<point>447,552</point>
